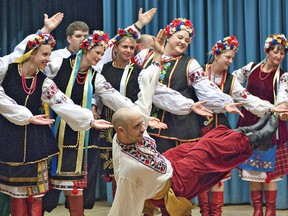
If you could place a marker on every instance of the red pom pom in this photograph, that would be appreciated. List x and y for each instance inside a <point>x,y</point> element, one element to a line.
<point>267,180</point>
<point>220,184</point>
<point>75,191</point>
<point>107,178</point>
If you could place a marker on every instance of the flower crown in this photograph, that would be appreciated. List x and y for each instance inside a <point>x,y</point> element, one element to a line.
<point>227,43</point>
<point>98,38</point>
<point>180,24</point>
<point>40,39</point>
<point>274,39</point>
<point>125,32</point>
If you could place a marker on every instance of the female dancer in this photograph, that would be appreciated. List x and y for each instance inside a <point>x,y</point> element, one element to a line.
<point>267,81</point>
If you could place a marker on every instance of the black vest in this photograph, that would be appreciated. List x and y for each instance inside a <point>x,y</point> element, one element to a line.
<point>40,142</point>
<point>182,128</point>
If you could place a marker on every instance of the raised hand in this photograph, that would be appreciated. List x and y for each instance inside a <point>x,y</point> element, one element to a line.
<point>156,123</point>
<point>51,23</point>
<point>233,108</point>
<point>41,120</point>
<point>159,42</point>
<point>145,18</point>
<point>101,124</point>
<point>199,109</point>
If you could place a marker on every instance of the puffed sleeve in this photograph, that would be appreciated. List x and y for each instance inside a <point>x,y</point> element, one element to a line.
<point>134,200</point>
<point>15,113</point>
<point>110,96</point>
<point>243,73</point>
<point>282,96</point>
<point>53,67</point>
<point>149,81</point>
<point>205,89</point>
<point>77,117</point>
<point>172,101</point>
<point>252,103</point>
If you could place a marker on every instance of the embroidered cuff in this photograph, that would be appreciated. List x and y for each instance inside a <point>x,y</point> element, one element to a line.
<point>156,63</point>
<point>92,122</point>
<point>136,27</point>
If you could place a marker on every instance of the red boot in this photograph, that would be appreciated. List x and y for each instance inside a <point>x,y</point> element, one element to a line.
<point>75,204</point>
<point>18,206</point>
<point>256,197</point>
<point>35,207</point>
<point>270,197</point>
<point>203,200</point>
<point>217,203</point>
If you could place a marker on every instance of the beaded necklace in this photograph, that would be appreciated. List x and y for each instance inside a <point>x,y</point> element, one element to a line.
<point>223,78</point>
<point>261,71</point>
<point>28,90</point>
<point>81,75</point>
<point>165,66</point>
<point>163,73</point>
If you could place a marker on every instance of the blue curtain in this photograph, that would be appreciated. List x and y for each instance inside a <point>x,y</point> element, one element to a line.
<point>21,18</point>
<point>251,21</point>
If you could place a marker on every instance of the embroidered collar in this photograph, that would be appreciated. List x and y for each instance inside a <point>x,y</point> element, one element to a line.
<point>146,154</point>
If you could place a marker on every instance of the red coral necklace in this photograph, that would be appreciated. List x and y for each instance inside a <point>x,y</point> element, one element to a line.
<point>81,77</point>
<point>28,90</point>
<point>261,71</point>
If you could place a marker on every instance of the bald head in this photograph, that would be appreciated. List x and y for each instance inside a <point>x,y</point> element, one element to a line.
<point>145,42</point>
<point>124,116</point>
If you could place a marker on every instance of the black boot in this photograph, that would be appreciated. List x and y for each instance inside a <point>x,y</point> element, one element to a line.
<point>259,125</point>
<point>262,139</point>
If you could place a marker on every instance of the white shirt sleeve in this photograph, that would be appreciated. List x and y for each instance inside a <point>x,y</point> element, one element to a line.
<point>77,117</point>
<point>243,73</point>
<point>147,85</point>
<point>282,96</point>
<point>110,96</point>
<point>13,112</point>
<point>252,103</point>
<point>207,90</point>
<point>172,101</point>
<point>53,67</point>
<point>129,198</point>
<point>166,98</point>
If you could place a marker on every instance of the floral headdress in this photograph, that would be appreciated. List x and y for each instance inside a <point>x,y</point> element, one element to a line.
<point>40,39</point>
<point>98,38</point>
<point>180,24</point>
<point>129,32</point>
<point>227,43</point>
<point>34,43</point>
<point>274,39</point>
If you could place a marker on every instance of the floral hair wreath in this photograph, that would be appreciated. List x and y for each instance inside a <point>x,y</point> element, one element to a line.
<point>227,43</point>
<point>98,38</point>
<point>275,39</point>
<point>40,39</point>
<point>129,32</point>
<point>180,24</point>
